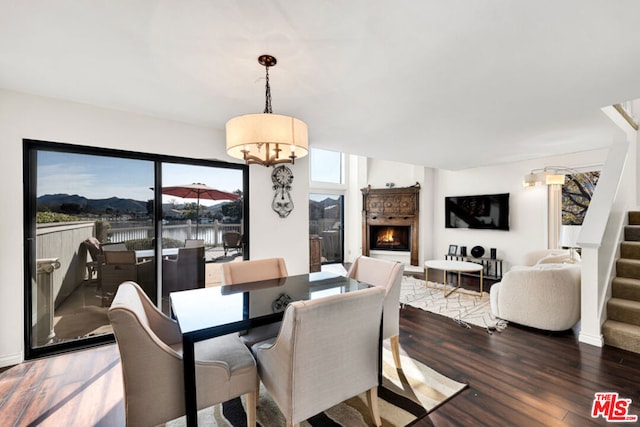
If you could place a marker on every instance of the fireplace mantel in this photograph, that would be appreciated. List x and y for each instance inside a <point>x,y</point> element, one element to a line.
<point>392,207</point>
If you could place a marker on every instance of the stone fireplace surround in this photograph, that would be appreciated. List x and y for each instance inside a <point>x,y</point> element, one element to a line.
<point>391,207</point>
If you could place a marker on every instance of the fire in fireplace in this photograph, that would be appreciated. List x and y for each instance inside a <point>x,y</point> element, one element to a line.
<point>390,238</point>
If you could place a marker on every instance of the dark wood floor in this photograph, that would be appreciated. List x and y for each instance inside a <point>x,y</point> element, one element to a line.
<point>518,377</point>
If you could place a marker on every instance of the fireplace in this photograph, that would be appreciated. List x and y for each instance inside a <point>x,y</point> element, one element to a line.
<point>390,221</point>
<point>390,237</point>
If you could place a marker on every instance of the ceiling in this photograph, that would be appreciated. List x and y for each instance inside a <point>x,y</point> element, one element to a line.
<point>448,84</point>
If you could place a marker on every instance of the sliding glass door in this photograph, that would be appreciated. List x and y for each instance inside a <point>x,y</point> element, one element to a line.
<point>202,225</point>
<point>91,221</point>
<point>326,220</point>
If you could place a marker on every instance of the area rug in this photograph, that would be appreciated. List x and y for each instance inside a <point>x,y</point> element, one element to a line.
<point>405,397</point>
<point>465,307</point>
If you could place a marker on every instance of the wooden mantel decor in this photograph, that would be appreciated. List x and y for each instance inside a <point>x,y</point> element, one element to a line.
<point>391,207</point>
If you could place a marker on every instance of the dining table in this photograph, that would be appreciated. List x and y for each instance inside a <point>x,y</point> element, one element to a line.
<point>209,312</point>
<point>150,253</point>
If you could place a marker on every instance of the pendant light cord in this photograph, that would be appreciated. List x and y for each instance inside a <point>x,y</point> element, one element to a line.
<point>267,96</point>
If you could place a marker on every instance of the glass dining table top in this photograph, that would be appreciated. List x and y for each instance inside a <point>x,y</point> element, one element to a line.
<point>227,308</point>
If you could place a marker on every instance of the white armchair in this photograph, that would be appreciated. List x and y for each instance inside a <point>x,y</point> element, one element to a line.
<point>387,275</point>
<point>150,346</point>
<point>326,352</point>
<point>544,296</point>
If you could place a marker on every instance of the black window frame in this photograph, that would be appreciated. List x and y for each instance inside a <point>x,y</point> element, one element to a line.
<point>29,171</point>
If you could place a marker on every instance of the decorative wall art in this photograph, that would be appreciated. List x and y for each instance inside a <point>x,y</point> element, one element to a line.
<point>576,196</point>
<point>282,203</point>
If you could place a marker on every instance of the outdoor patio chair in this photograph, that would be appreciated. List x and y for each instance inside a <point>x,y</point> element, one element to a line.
<point>92,246</point>
<point>186,271</point>
<point>232,240</point>
<point>107,247</point>
<point>122,266</point>
<point>194,243</point>
<point>150,346</point>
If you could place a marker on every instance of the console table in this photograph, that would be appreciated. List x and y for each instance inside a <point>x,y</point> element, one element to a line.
<point>491,267</point>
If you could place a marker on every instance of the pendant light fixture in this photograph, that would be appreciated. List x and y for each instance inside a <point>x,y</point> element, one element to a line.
<point>267,139</point>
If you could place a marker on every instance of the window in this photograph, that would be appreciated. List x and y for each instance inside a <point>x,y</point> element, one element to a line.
<point>326,166</point>
<point>91,219</point>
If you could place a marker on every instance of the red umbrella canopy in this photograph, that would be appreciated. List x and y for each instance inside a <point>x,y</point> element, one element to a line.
<point>198,191</point>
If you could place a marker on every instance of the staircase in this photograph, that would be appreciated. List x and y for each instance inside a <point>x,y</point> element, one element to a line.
<point>622,327</point>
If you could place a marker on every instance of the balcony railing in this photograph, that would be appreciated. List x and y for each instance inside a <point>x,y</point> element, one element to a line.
<point>210,233</point>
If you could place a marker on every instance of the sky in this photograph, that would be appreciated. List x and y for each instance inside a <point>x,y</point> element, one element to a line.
<point>101,177</point>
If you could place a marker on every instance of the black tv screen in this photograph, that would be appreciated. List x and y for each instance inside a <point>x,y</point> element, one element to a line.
<point>486,212</point>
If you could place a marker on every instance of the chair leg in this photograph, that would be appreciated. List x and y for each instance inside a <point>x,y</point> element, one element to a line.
<point>395,350</point>
<point>252,402</point>
<point>372,400</point>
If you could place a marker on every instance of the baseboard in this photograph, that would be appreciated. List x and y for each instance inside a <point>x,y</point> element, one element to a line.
<point>11,359</point>
<point>597,341</point>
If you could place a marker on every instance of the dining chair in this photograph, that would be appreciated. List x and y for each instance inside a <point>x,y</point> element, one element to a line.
<point>150,346</point>
<point>326,352</point>
<point>122,266</point>
<point>234,273</point>
<point>232,240</point>
<point>387,275</point>
<point>106,247</point>
<point>92,247</point>
<point>194,243</point>
<point>186,271</point>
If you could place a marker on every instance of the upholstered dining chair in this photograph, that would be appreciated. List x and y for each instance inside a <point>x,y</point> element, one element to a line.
<point>387,275</point>
<point>234,273</point>
<point>150,346</point>
<point>326,352</point>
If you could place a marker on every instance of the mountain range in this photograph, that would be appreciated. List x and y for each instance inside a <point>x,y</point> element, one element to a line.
<point>55,201</point>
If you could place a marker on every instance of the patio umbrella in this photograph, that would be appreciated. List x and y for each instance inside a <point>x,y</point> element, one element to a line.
<point>198,191</point>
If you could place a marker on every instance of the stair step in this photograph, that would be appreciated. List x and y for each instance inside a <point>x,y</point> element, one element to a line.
<point>624,310</point>
<point>626,288</point>
<point>626,267</point>
<point>634,217</point>
<point>621,335</point>
<point>630,250</point>
<point>632,233</point>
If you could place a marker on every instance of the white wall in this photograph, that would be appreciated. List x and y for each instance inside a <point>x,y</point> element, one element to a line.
<point>272,236</point>
<point>528,207</point>
<point>31,117</point>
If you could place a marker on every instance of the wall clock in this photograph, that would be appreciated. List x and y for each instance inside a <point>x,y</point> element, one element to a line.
<point>282,177</point>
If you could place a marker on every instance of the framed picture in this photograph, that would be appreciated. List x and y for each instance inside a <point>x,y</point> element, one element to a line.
<point>453,249</point>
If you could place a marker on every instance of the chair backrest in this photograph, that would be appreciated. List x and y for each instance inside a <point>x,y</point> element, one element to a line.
<point>107,247</point>
<point>327,348</point>
<point>120,257</point>
<point>93,247</point>
<point>194,243</point>
<point>231,238</point>
<point>251,271</point>
<point>387,275</point>
<point>144,337</point>
<point>545,256</point>
<point>193,256</point>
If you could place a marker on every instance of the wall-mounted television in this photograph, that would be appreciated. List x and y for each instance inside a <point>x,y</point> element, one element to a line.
<point>485,212</point>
